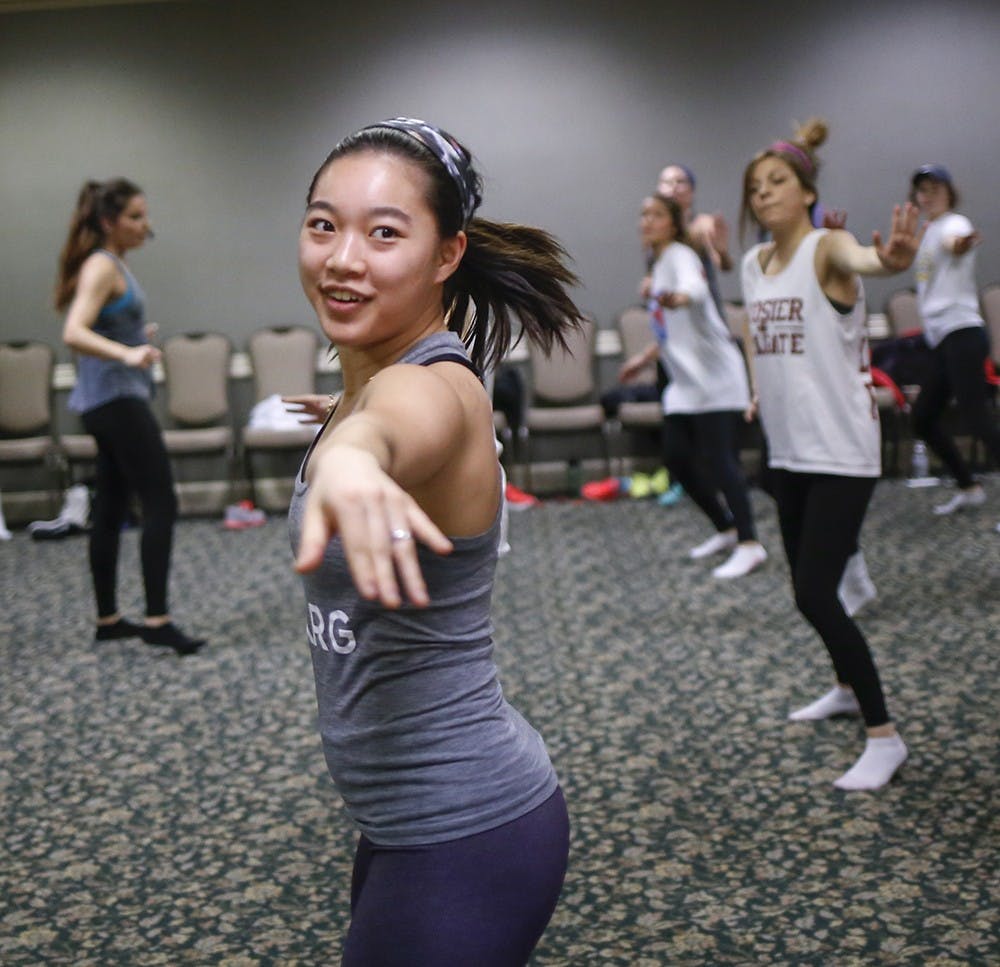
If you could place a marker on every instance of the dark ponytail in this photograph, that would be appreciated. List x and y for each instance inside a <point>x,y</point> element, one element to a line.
<point>97,202</point>
<point>509,273</point>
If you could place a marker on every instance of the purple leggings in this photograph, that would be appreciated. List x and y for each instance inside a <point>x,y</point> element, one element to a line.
<point>482,900</point>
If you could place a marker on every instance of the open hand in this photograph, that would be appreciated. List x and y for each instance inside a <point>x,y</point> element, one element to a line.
<point>314,407</point>
<point>378,522</point>
<point>904,239</point>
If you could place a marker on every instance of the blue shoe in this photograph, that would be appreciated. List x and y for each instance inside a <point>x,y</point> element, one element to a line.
<point>673,496</point>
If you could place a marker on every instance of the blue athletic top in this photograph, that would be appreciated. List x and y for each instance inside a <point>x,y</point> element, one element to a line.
<point>417,735</point>
<point>99,381</point>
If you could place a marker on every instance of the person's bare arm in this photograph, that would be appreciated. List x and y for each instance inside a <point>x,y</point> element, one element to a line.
<point>95,287</point>
<point>406,426</point>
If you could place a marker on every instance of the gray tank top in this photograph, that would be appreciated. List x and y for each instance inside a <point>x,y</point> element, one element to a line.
<point>99,381</point>
<point>417,735</point>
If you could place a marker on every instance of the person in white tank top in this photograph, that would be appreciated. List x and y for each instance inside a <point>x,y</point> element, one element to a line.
<point>811,385</point>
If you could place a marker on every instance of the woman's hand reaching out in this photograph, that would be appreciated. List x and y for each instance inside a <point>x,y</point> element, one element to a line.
<point>901,247</point>
<point>313,407</point>
<point>378,522</point>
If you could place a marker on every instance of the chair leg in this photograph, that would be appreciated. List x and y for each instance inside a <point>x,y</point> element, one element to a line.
<point>248,474</point>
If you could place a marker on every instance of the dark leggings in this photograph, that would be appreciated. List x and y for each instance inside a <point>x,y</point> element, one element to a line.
<point>957,372</point>
<point>820,517</point>
<point>699,450</point>
<point>482,900</point>
<point>131,459</point>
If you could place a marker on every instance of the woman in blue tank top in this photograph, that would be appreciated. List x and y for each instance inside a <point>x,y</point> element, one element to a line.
<point>395,522</point>
<point>106,326</point>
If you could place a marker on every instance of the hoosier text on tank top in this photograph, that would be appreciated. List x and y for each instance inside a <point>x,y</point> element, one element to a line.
<point>817,406</point>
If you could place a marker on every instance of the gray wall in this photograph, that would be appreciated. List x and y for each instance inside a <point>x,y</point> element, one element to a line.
<point>222,111</point>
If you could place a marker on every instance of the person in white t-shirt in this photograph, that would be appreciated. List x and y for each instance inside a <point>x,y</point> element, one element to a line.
<point>812,384</point>
<point>707,391</point>
<point>953,327</point>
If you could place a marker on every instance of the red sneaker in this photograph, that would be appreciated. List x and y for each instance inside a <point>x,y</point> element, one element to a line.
<point>243,515</point>
<point>517,499</point>
<point>609,489</point>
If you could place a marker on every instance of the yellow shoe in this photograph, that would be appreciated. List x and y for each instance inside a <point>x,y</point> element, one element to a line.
<point>639,487</point>
<point>659,482</point>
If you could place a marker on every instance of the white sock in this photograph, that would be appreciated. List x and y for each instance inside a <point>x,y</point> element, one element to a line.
<point>837,701</point>
<point>721,541</point>
<point>880,760</point>
<point>742,561</point>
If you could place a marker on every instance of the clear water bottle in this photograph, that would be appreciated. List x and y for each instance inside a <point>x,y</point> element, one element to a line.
<point>921,464</point>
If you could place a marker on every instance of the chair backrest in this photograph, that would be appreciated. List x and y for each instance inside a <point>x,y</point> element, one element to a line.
<point>565,376</point>
<point>284,361</point>
<point>989,302</point>
<point>903,313</point>
<point>636,335</point>
<point>197,377</point>
<point>25,388</point>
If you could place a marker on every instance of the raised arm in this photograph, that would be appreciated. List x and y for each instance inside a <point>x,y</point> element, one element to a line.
<point>408,425</point>
<point>841,254</point>
<point>96,286</point>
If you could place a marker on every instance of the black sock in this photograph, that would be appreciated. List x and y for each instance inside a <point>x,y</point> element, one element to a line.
<point>170,636</point>
<point>122,628</point>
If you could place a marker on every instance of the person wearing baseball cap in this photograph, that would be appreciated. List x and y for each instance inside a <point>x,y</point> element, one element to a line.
<point>948,299</point>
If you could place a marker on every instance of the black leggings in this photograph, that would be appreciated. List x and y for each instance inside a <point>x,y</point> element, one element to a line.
<point>699,450</point>
<point>957,371</point>
<point>131,458</point>
<point>820,517</point>
<point>479,901</point>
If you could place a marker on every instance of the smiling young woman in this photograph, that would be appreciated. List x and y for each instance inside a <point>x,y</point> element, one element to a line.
<point>810,371</point>
<point>395,520</point>
<point>707,393</point>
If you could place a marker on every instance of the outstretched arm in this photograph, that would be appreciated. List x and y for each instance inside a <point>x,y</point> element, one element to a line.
<point>844,255</point>
<point>407,424</point>
<point>960,244</point>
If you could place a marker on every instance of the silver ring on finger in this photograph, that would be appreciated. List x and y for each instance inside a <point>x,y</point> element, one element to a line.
<point>399,534</point>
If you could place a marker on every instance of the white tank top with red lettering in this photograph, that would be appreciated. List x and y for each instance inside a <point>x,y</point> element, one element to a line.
<point>817,405</point>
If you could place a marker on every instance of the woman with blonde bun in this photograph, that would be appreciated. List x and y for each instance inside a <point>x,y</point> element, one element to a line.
<point>812,384</point>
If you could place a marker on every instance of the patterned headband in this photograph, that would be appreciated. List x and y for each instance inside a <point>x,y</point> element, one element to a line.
<point>787,147</point>
<point>448,152</point>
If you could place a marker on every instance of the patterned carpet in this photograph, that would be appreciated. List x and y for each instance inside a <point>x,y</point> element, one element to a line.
<point>171,811</point>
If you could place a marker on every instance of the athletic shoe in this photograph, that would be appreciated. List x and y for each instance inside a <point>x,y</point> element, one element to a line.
<point>673,496</point>
<point>716,544</point>
<point>744,559</point>
<point>973,497</point>
<point>517,499</point>
<point>609,489</point>
<point>659,482</point>
<point>243,515</point>
<point>639,486</point>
